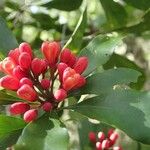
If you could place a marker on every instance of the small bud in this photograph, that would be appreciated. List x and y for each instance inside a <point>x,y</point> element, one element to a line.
<point>51,52</point>
<point>26,81</point>
<point>14,54</point>
<point>81,82</point>
<point>30,115</point>
<point>19,73</point>
<point>25,47</point>
<point>101,136</point>
<point>113,137</point>
<point>25,61</point>
<point>92,137</point>
<point>105,144</point>
<point>69,83</point>
<point>117,148</point>
<point>110,131</point>
<point>67,57</point>
<point>45,83</point>
<point>61,67</point>
<point>8,65</point>
<point>47,106</point>
<point>9,82</point>
<point>68,72</point>
<point>19,108</point>
<point>98,146</point>
<point>27,92</point>
<point>60,95</point>
<point>38,66</point>
<point>81,65</point>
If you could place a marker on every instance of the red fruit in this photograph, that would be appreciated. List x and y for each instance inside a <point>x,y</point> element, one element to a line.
<point>14,54</point>
<point>105,144</point>
<point>117,148</point>
<point>7,65</point>
<point>98,146</point>
<point>81,65</point>
<point>19,108</point>
<point>69,83</point>
<point>101,136</point>
<point>26,81</point>
<point>113,137</point>
<point>60,95</point>
<point>25,47</point>
<point>92,137</point>
<point>25,61</point>
<point>47,106</point>
<point>27,92</point>
<point>45,83</point>
<point>19,73</point>
<point>30,115</point>
<point>67,57</point>
<point>38,66</point>
<point>51,52</point>
<point>9,82</point>
<point>61,67</point>
<point>68,72</point>
<point>110,131</point>
<point>81,82</point>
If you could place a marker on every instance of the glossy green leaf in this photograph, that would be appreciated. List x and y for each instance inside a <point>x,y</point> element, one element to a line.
<point>105,81</point>
<point>10,129</point>
<point>99,51</point>
<point>75,41</point>
<point>115,13</point>
<point>7,40</point>
<point>127,110</point>
<point>141,4</point>
<point>66,5</point>
<point>121,61</point>
<point>6,98</point>
<point>44,134</point>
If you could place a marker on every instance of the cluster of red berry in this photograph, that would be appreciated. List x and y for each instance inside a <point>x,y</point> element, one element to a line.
<point>103,142</point>
<point>33,78</point>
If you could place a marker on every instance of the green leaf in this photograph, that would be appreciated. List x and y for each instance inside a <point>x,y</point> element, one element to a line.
<point>7,40</point>
<point>142,4</point>
<point>105,81</point>
<point>75,41</point>
<point>115,13</point>
<point>127,110</point>
<point>66,5</point>
<point>99,51</point>
<point>6,98</point>
<point>10,129</point>
<point>44,134</point>
<point>121,61</point>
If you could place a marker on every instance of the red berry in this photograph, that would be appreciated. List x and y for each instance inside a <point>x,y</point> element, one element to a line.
<point>113,137</point>
<point>101,136</point>
<point>60,95</point>
<point>9,82</point>
<point>19,108</point>
<point>110,131</point>
<point>117,148</point>
<point>26,81</point>
<point>14,54</point>
<point>30,115</point>
<point>92,137</point>
<point>81,65</point>
<point>81,82</point>
<point>45,83</point>
<point>19,73</point>
<point>51,52</point>
<point>38,66</point>
<point>25,61</point>
<point>98,146</point>
<point>7,65</point>
<point>27,92</point>
<point>61,67</point>
<point>67,57</point>
<point>25,47</point>
<point>105,144</point>
<point>47,106</point>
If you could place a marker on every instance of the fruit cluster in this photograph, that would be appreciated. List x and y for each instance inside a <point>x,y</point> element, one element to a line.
<point>103,142</point>
<point>33,78</point>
